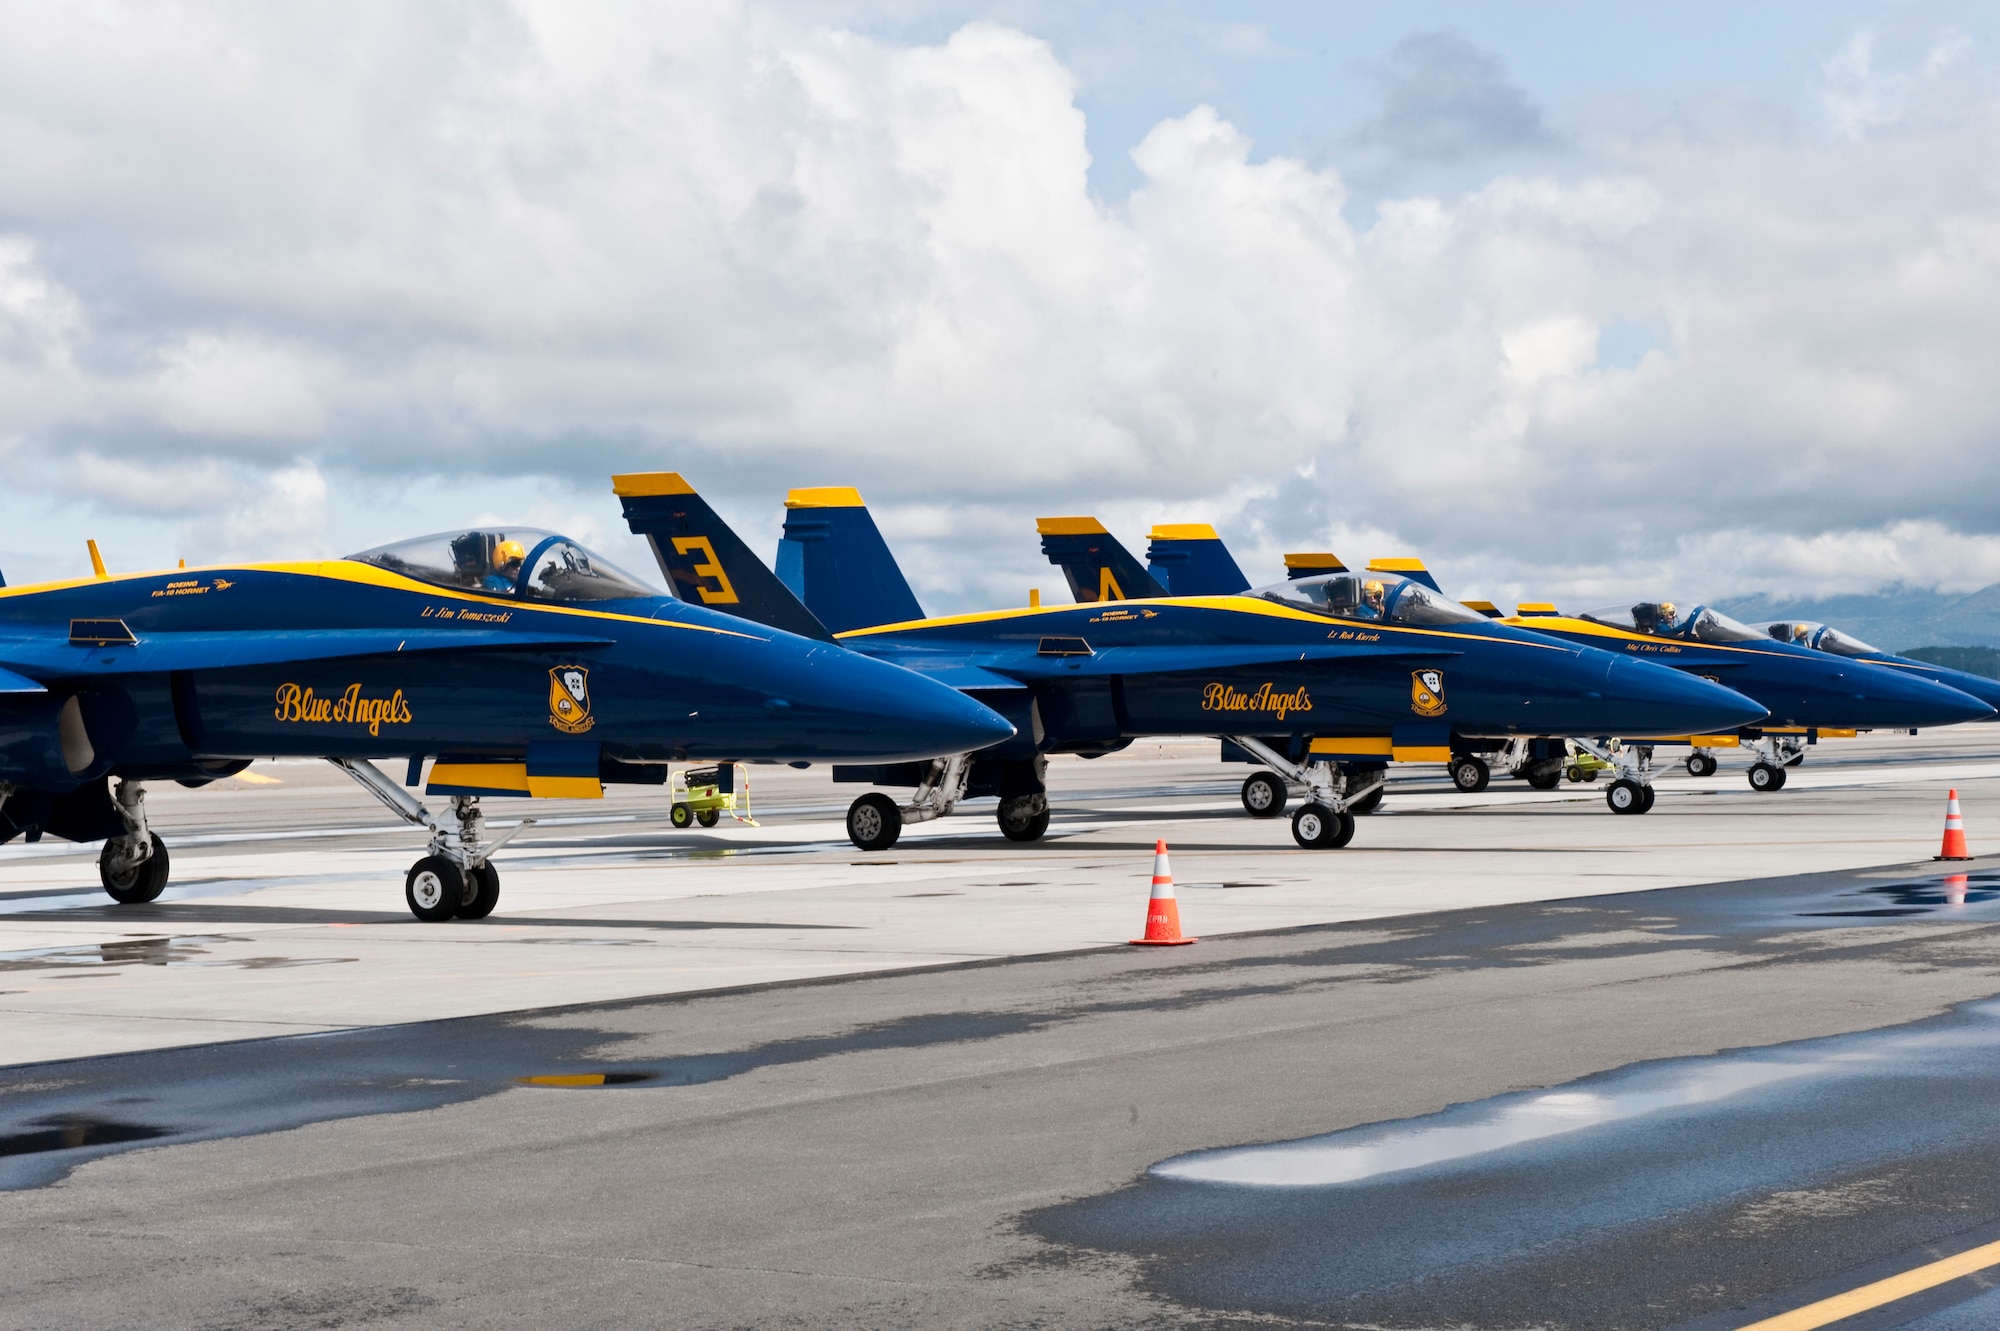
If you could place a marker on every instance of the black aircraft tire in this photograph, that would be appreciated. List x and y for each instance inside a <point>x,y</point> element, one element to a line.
<point>1343,831</point>
<point>1646,803</point>
<point>1314,826</point>
<point>1700,764</point>
<point>1470,774</point>
<point>1765,778</point>
<point>1264,795</point>
<point>1795,760</point>
<point>709,817</point>
<point>142,882</point>
<point>433,889</point>
<point>1370,802</point>
<point>1018,823</point>
<point>681,815</point>
<point>1548,780</point>
<point>481,894</point>
<point>874,822</point>
<point>1624,796</point>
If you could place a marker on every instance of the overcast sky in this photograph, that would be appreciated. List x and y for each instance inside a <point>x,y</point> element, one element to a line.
<point>1574,304</point>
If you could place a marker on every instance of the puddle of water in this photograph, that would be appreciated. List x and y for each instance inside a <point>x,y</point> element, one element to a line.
<point>70,1132</point>
<point>1936,894</point>
<point>1970,1048</point>
<point>1364,1153</point>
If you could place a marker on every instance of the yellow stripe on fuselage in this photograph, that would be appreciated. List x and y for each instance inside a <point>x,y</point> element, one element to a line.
<point>1590,628</point>
<point>352,571</point>
<point>1241,605</point>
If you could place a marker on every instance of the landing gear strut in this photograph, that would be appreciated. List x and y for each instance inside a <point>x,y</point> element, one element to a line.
<point>457,877</point>
<point>875,822</point>
<point>1326,820</point>
<point>133,867</point>
<point>1774,754</point>
<point>1632,790</point>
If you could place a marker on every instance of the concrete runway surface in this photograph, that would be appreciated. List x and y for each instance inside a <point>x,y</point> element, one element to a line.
<point>1507,1061</point>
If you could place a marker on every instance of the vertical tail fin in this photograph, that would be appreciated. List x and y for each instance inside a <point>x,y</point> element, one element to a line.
<point>839,563</point>
<point>1097,566</point>
<point>1312,563</point>
<point>706,563</point>
<point>1189,559</point>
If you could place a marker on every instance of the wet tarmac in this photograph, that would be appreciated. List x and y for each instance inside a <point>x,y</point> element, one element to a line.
<point>1686,1108</point>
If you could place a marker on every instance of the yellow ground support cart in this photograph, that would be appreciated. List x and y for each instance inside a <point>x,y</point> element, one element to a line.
<point>703,794</point>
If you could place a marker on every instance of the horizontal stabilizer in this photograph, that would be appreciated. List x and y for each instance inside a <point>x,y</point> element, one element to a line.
<point>13,683</point>
<point>846,575</point>
<point>1413,569</point>
<point>1097,566</point>
<point>1312,563</point>
<point>706,562</point>
<point>1189,559</point>
<point>153,652</point>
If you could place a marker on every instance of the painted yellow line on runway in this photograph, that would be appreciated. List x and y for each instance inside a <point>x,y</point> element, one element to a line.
<point>1827,1311</point>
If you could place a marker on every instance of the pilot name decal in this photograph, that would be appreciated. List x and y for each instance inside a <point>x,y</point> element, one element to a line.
<point>1427,692</point>
<point>303,706</point>
<point>466,615</point>
<point>192,587</point>
<point>1223,698</point>
<point>569,699</point>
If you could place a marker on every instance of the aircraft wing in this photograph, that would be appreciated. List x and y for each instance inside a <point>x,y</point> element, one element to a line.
<point>154,652</point>
<point>1161,660</point>
<point>13,683</point>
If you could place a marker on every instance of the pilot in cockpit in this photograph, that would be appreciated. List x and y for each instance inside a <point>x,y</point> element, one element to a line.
<point>1372,594</point>
<point>507,557</point>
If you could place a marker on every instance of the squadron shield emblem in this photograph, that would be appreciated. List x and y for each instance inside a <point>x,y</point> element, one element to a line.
<point>1427,692</point>
<point>569,699</point>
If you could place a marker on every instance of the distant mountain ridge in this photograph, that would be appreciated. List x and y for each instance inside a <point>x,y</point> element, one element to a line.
<point>1895,620</point>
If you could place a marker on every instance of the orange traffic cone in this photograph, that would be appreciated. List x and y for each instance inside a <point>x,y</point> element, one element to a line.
<point>1954,831</point>
<point>1163,913</point>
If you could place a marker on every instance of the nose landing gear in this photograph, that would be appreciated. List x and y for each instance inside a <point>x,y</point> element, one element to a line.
<point>133,867</point>
<point>457,878</point>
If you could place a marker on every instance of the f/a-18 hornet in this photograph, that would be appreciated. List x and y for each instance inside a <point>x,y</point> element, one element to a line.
<point>1337,677</point>
<point>523,663</point>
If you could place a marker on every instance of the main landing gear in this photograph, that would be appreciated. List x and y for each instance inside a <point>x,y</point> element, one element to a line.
<point>1631,791</point>
<point>1774,754</point>
<point>875,822</point>
<point>133,867</point>
<point>1326,820</point>
<point>457,878</point>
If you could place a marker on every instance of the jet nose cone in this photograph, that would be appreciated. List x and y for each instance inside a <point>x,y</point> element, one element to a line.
<point>951,722</point>
<point>893,714</point>
<point>1665,701</point>
<point>1896,700</point>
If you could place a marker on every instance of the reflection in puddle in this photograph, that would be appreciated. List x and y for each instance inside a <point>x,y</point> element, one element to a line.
<point>1919,896</point>
<point>71,1131</point>
<point>1465,1131</point>
<point>189,950</point>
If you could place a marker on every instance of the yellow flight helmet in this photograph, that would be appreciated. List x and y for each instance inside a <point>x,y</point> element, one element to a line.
<point>508,555</point>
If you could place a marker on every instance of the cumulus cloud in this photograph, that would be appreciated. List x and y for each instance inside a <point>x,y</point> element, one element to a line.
<point>257,261</point>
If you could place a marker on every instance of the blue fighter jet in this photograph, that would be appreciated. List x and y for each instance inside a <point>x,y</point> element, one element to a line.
<point>525,664</point>
<point>1807,695</point>
<point>1341,678</point>
<point>1825,638</point>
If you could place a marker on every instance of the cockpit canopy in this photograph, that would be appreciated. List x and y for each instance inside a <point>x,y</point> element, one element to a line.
<point>1381,598</point>
<point>1675,619</point>
<point>522,562</point>
<point>1819,637</point>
